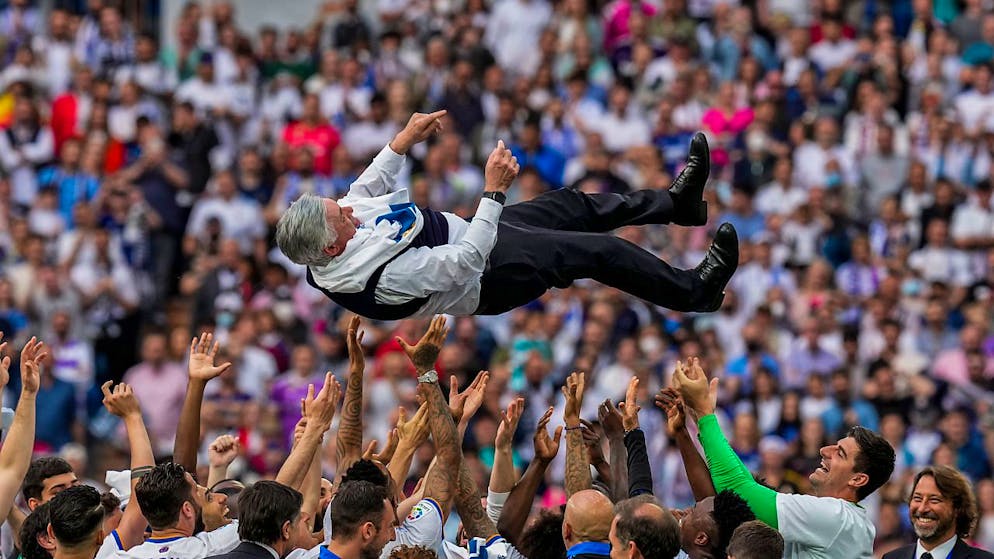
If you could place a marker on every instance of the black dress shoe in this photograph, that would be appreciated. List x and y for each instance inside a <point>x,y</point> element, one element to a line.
<point>717,268</point>
<point>688,188</point>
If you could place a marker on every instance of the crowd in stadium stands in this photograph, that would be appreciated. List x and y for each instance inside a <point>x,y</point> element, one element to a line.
<point>852,148</point>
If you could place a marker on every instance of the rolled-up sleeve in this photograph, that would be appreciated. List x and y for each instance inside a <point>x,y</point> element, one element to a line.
<point>422,271</point>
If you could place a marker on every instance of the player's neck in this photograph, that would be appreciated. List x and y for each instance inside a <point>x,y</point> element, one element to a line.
<point>169,533</point>
<point>76,552</point>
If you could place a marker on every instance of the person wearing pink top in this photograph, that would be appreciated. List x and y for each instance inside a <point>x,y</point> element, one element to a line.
<point>313,132</point>
<point>616,17</point>
<point>724,121</point>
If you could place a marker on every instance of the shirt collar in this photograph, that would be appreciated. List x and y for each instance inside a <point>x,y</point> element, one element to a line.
<point>942,551</point>
<point>588,548</point>
<point>267,548</point>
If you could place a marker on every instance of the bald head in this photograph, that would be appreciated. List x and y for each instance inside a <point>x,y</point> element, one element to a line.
<point>588,518</point>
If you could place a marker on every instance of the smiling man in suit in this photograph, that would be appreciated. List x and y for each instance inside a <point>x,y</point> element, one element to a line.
<point>943,513</point>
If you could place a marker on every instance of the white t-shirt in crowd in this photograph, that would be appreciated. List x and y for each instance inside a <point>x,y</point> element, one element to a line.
<point>824,527</point>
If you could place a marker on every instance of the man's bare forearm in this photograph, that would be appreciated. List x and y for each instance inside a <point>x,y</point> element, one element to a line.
<point>518,506</point>
<point>15,455</point>
<point>577,463</point>
<point>440,483</point>
<point>400,466</point>
<point>188,431</point>
<point>474,518</point>
<point>312,488</point>
<point>295,468</point>
<point>131,529</point>
<point>619,468</point>
<point>348,444</point>
<point>698,473</point>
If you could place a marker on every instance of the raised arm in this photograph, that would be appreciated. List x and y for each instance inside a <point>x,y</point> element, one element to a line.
<point>348,443</point>
<point>441,481</point>
<point>123,403</point>
<point>503,476</point>
<point>465,404</point>
<point>577,466</point>
<point>519,503</point>
<point>15,456</point>
<point>320,411</point>
<point>221,453</point>
<point>380,177</point>
<point>614,431</point>
<point>411,434</point>
<point>639,472</point>
<point>698,474</point>
<point>201,371</point>
<point>592,437</point>
<point>727,470</point>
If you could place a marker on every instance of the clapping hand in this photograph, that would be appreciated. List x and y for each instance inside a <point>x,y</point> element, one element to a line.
<point>31,359</point>
<point>121,401</point>
<point>573,391</point>
<point>465,404</point>
<point>546,447</point>
<point>692,383</point>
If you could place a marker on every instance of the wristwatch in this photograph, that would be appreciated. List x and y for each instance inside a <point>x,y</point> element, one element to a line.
<point>429,377</point>
<point>498,197</point>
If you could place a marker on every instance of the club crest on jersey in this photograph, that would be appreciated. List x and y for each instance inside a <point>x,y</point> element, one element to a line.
<point>418,511</point>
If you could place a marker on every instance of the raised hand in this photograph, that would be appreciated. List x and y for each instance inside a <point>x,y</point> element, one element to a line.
<point>31,358</point>
<point>425,353</point>
<point>321,408</point>
<point>357,361</point>
<point>223,451</point>
<point>500,170</point>
<point>509,420</point>
<point>573,391</point>
<point>413,432</point>
<point>546,447</point>
<point>669,401</point>
<point>592,440</point>
<point>121,401</point>
<point>630,408</point>
<point>699,395</point>
<point>611,420</point>
<point>373,450</point>
<point>465,404</point>
<point>419,128</point>
<point>202,353</point>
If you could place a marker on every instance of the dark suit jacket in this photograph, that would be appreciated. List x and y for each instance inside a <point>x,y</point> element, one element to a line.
<point>246,550</point>
<point>960,551</point>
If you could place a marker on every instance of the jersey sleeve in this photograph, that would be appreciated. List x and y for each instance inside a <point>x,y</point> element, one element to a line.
<point>728,472</point>
<point>808,520</point>
<point>110,546</point>
<point>423,526</point>
<point>222,540</point>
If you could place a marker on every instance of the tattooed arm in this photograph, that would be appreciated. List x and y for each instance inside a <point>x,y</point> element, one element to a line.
<point>441,481</point>
<point>474,518</point>
<point>348,444</point>
<point>577,464</point>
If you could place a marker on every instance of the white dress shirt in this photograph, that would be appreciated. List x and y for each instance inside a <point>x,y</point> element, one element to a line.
<point>941,551</point>
<point>448,275</point>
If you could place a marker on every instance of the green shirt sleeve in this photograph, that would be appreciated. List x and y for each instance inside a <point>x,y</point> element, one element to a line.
<point>728,472</point>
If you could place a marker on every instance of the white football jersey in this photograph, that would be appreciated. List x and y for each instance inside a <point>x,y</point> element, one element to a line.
<point>200,546</point>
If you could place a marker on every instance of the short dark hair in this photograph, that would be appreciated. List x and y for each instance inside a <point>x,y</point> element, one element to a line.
<point>161,494</point>
<point>76,514</point>
<point>875,459</point>
<point>755,540</point>
<point>730,512</point>
<point>36,524</point>
<point>266,506</point>
<point>356,503</point>
<point>110,502</point>
<point>39,471</point>
<point>366,470</point>
<point>954,486</point>
<point>543,537</point>
<point>654,537</point>
<point>413,552</point>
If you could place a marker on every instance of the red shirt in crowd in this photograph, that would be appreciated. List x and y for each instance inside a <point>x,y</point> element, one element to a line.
<point>320,138</point>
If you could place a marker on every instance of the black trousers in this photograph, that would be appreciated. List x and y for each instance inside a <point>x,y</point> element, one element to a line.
<point>562,236</point>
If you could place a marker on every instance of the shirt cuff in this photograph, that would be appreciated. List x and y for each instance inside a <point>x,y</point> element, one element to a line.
<point>489,210</point>
<point>497,499</point>
<point>708,424</point>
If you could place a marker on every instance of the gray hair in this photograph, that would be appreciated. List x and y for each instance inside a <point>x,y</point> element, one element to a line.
<point>303,232</point>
